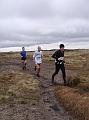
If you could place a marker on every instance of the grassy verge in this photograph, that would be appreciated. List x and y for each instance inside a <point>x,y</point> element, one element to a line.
<point>19,87</point>
<point>73,100</point>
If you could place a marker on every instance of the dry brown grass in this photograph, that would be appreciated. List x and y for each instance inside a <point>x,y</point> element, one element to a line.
<point>75,60</point>
<point>73,81</point>
<point>84,86</point>
<point>75,98</point>
<point>72,100</point>
<point>21,87</point>
<point>24,88</point>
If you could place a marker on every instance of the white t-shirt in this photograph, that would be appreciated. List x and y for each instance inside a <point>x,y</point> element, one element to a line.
<point>38,57</point>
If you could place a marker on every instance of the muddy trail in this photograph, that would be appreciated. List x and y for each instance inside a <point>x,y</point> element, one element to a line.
<point>48,107</point>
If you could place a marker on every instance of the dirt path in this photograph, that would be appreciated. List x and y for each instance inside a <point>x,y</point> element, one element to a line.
<point>47,109</point>
<point>50,108</point>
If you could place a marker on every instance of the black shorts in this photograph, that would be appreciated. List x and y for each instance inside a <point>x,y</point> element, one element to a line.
<point>23,58</point>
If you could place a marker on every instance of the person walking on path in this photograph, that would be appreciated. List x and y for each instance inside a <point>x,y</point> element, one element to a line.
<point>59,63</point>
<point>23,58</point>
<point>38,55</point>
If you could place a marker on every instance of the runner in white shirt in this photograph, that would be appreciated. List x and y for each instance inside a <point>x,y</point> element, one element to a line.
<point>38,55</point>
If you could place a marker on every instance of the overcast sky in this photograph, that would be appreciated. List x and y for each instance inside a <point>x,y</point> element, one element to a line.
<point>29,22</point>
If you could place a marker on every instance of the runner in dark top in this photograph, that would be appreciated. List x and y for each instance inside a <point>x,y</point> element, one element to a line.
<point>23,58</point>
<point>59,63</point>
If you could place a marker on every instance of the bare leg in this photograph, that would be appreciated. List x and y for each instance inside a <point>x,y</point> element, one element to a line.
<point>24,65</point>
<point>35,68</point>
<point>38,70</point>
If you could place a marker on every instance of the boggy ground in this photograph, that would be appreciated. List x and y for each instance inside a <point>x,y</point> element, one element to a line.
<point>75,96</point>
<point>23,96</point>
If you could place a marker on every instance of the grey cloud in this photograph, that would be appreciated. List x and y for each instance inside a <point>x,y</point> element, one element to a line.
<point>25,8</point>
<point>28,22</point>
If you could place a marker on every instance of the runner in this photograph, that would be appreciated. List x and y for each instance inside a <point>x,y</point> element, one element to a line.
<point>38,55</point>
<point>23,58</point>
<point>59,63</point>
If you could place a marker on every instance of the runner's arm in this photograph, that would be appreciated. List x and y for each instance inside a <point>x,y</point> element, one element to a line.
<point>21,54</point>
<point>54,55</point>
<point>34,55</point>
<point>42,55</point>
